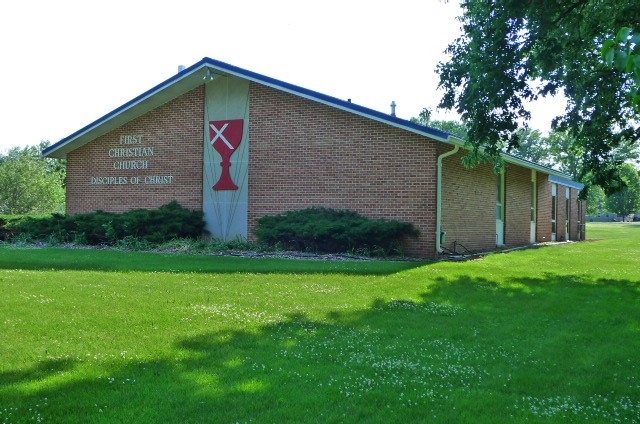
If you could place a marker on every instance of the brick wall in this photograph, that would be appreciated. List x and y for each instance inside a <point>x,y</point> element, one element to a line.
<point>518,189</point>
<point>307,154</point>
<point>174,131</point>
<point>468,204</point>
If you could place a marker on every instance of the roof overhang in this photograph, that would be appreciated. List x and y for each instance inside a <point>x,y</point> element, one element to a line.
<point>198,74</point>
<point>565,181</point>
<point>181,83</point>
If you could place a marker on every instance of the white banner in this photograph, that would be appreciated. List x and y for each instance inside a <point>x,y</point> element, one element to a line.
<point>226,157</point>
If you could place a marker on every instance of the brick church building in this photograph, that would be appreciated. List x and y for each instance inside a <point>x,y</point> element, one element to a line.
<point>239,145</point>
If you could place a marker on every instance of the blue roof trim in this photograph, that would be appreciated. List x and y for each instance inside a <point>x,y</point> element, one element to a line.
<point>273,82</point>
<point>325,98</point>
<point>566,182</point>
<point>125,106</point>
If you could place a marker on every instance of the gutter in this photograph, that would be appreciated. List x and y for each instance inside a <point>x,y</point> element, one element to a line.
<point>439,196</point>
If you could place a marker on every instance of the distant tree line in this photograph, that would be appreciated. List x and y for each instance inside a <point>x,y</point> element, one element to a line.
<point>30,183</point>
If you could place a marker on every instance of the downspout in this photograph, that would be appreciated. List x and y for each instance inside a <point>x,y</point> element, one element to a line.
<point>439,196</point>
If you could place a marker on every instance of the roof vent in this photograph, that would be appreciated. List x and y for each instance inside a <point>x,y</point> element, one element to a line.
<point>393,108</point>
<point>181,68</point>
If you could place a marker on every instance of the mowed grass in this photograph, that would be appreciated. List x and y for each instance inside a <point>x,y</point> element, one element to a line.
<point>540,335</point>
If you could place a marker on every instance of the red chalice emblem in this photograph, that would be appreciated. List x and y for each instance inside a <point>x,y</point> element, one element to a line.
<point>225,137</point>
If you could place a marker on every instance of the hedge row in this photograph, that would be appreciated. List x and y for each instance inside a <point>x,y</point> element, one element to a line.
<point>168,222</point>
<point>324,230</point>
<point>317,229</point>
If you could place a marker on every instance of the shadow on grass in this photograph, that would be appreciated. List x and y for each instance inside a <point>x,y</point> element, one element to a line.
<point>40,371</point>
<point>113,260</point>
<point>471,350</point>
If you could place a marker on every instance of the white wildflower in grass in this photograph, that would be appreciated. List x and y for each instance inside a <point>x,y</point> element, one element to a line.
<point>234,314</point>
<point>610,408</point>
<point>428,307</point>
<point>431,370</point>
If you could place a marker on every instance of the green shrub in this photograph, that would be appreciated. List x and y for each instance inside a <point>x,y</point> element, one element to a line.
<point>5,231</point>
<point>138,227</point>
<point>324,230</point>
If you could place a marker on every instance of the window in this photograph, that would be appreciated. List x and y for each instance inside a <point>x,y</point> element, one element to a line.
<point>500,209</point>
<point>567,221</point>
<point>580,224</point>
<point>554,210</point>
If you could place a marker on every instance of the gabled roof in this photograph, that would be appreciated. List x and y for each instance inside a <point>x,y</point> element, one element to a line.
<point>193,76</point>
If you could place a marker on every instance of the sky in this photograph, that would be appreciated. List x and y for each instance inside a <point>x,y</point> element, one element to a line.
<point>65,63</point>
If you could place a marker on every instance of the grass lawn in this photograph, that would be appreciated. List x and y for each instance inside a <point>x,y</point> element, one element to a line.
<point>540,335</point>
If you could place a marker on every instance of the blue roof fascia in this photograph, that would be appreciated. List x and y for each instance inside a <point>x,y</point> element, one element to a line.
<point>566,182</point>
<point>272,82</point>
<point>125,106</point>
<point>324,98</point>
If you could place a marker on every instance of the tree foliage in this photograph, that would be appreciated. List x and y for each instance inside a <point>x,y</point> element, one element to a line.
<point>31,183</point>
<point>533,147</point>
<point>514,51</point>
<point>626,199</point>
<point>452,127</point>
<point>596,201</point>
<point>623,52</point>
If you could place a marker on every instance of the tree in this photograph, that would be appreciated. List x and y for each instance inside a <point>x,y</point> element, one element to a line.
<point>623,52</point>
<point>514,51</point>
<point>567,155</point>
<point>31,183</point>
<point>452,127</point>
<point>533,147</point>
<point>626,200</point>
<point>596,201</point>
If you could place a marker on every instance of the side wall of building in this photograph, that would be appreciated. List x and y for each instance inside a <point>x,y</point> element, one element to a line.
<point>172,139</point>
<point>518,192</point>
<point>569,220</point>
<point>576,215</point>
<point>307,154</point>
<point>468,205</point>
